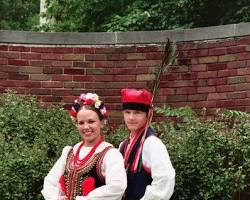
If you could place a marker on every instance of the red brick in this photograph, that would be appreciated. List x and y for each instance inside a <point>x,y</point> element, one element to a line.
<point>165,91</point>
<point>3,61</point>
<point>93,57</point>
<point>111,92</point>
<point>103,78</point>
<point>227,73</point>
<point>83,64</point>
<point>83,78</point>
<point>16,76</point>
<point>4,75</point>
<point>170,77</point>
<point>112,99</point>
<point>73,85</point>
<point>205,104</point>
<point>217,51</point>
<point>127,71</point>
<point>74,71</point>
<point>136,56</point>
<point>42,49</point>
<point>62,64</point>
<point>18,62</point>
<point>62,92</point>
<point>217,81</point>
<point>62,50</point>
<point>57,77</point>
<point>186,46</point>
<point>179,68</point>
<point>244,56</point>
<point>187,61</point>
<point>50,98</point>
<point>206,89</point>
<point>19,48</point>
<point>244,40</point>
<point>242,102</point>
<point>198,67</point>
<point>88,50</point>
<point>34,84</point>
<point>225,88</point>
<point>51,56</point>
<point>73,57</point>
<point>40,63</point>
<point>96,85</point>
<point>4,47</point>
<point>52,70</point>
<point>216,66</point>
<point>236,64</point>
<point>208,74</point>
<point>189,75</point>
<point>197,97</point>
<point>136,85</point>
<point>116,57</point>
<point>147,49</point>
<point>52,84</point>
<point>236,49</point>
<point>186,90</point>
<point>149,63</point>
<point>33,56</point>
<point>154,56</point>
<point>13,83</point>
<point>40,91</point>
<point>105,64</point>
<point>124,78</point>
<point>244,86</point>
<point>237,95</point>
<point>243,71</point>
<point>11,55</point>
<point>7,68</point>
<point>105,50</point>
<point>176,98</point>
<point>216,96</point>
<point>225,103</point>
<point>125,49</point>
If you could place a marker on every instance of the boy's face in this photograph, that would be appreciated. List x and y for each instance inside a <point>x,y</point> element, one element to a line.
<point>134,119</point>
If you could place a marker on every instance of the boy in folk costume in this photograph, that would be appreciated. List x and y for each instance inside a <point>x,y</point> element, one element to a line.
<point>150,173</point>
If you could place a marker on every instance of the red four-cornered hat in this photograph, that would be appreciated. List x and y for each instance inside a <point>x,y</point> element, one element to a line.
<point>136,96</point>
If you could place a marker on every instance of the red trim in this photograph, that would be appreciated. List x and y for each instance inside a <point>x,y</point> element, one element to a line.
<point>147,169</point>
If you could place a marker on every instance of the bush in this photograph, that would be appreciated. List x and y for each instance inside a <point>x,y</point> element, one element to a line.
<point>31,139</point>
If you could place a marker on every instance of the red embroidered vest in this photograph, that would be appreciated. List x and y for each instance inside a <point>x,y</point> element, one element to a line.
<point>79,181</point>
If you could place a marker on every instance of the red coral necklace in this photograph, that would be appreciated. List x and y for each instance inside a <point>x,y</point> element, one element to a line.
<point>79,162</point>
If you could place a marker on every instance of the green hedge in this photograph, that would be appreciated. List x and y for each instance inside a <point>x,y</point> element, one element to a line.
<point>31,139</point>
<point>211,158</point>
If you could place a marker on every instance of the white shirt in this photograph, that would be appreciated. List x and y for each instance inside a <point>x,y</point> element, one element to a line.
<point>156,158</point>
<point>112,168</point>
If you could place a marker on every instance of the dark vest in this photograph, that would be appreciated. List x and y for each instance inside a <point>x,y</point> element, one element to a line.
<point>74,176</point>
<point>137,182</point>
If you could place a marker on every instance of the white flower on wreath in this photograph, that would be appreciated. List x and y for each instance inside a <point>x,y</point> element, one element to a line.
<point>92,96</point>
<point>97,104</point>
<point>103,111</point>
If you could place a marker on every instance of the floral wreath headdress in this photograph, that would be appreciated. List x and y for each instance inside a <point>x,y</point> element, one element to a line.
<point>90,99</point>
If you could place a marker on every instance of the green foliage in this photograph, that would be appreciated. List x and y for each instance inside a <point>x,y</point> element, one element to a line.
<point>211,158</point>
<point>19,15</point>
<point>31,139</point>
<point>139,15</point>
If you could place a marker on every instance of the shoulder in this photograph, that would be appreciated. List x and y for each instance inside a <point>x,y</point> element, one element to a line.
<point>66,149</point>
<point>153,142</point>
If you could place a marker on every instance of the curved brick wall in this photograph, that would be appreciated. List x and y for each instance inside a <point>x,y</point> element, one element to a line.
<point>213,69</point>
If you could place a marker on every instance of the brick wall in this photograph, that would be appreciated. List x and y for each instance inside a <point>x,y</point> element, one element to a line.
<point>209,73</point>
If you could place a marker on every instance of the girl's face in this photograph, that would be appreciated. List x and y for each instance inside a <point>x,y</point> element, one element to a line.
<point>89,126</point>
<point>134,120</point>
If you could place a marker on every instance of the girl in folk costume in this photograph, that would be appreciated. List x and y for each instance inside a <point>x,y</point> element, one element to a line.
<point>150,173</point>
<point>92,169</point>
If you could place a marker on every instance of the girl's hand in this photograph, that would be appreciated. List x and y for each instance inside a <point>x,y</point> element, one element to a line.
<point>62,198</point>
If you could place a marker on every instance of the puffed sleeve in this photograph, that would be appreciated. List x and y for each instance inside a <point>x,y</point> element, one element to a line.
<point>115,178</point>
<point>156,158</point>
<point>51,188</point>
